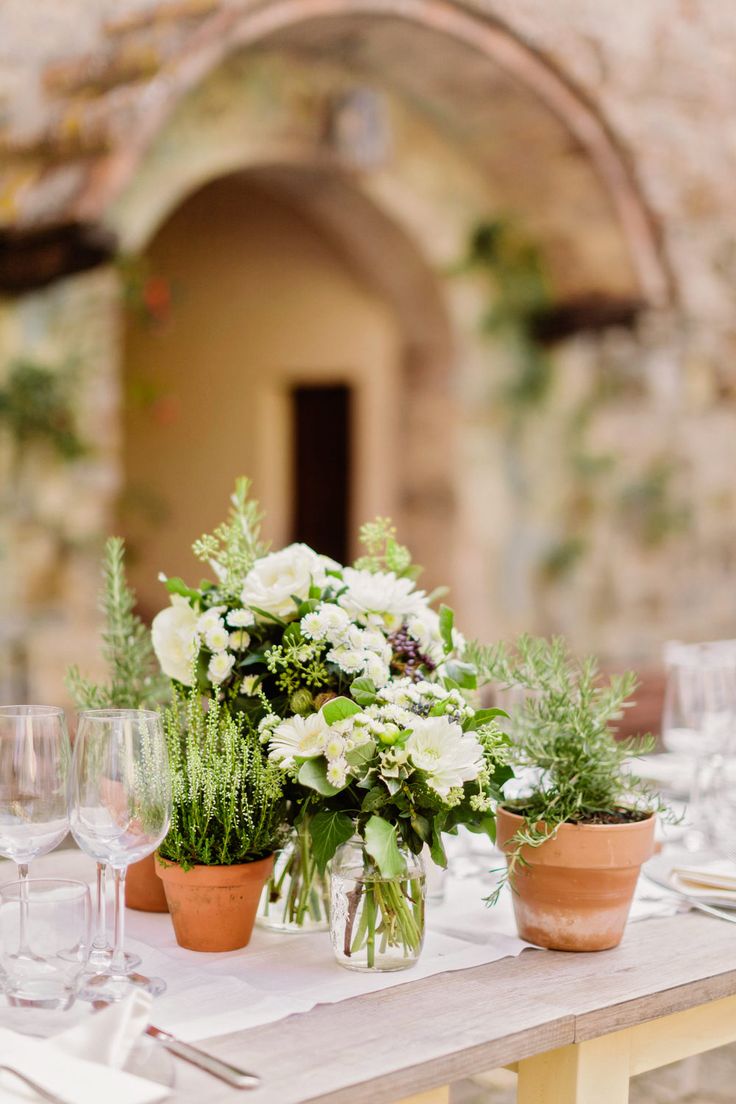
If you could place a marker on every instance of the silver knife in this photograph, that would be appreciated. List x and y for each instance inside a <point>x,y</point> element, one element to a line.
<point>238,1078</point>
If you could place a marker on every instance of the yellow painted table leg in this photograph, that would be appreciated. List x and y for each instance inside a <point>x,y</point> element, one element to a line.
<point>595,1072</point>
<point>434,1096</point>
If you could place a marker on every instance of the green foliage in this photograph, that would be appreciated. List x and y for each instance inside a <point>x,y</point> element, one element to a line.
<point>234,546</point>
<point>564,731</point>
<point>649,507</point>
<point>134,680</point>
<point>328,829</point>
<point>519,295</point>
<point>36,407</point>
<point>382,550</point>
<point>228,799</point>
<point>382,846</point>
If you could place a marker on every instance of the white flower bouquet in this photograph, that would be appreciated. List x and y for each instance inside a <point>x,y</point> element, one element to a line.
<point>357,685</point>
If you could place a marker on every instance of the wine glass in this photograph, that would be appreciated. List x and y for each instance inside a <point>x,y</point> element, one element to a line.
<point>698,719</point>
<point>119,811</point>
<point>34,764</point>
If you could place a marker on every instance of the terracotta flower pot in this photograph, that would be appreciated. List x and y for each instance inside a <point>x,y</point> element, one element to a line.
<point>213,908</point>
<point>144,890</point>
<point>576,891</point>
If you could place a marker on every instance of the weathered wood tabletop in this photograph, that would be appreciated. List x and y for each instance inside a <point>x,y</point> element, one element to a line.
<point>388,1045</point>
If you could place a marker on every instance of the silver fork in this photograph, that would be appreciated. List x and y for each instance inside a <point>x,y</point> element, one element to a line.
<point>44,1093</point>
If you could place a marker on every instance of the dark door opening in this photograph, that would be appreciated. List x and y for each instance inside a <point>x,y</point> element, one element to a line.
<point>322,475</point>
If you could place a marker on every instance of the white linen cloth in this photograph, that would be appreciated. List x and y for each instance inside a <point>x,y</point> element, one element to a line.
<point>279,975</point>
<point>82,1065</point>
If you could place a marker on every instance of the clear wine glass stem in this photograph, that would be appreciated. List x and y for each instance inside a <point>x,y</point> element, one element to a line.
<point>117,965</point>
<point>23,924</point>
<point>100,940</point>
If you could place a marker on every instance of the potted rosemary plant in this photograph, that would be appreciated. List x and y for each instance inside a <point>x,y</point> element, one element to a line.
<point>576,839</point>
<point>227,821</point>
<point>133,682</point>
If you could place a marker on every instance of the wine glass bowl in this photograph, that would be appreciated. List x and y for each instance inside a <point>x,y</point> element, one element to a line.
<point>34,763</point>
<point>119,812</point>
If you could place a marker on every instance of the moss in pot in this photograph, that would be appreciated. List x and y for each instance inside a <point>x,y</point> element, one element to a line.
<point>227,821</point>
<point>575,842</point>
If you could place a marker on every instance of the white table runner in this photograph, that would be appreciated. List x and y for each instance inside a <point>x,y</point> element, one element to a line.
<point>279,975</point>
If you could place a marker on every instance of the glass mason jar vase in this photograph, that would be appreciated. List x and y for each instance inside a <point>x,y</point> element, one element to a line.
<point>296,897</point>
<point>377,923</point>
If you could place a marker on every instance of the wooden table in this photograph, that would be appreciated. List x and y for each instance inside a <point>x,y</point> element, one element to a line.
<point>576,1027</point>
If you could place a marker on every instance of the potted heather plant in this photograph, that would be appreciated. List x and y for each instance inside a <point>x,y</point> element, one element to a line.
<point>227,821</point>
<point>576,839</point>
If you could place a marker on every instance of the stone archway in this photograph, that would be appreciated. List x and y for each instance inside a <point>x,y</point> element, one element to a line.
<point>246,25</point>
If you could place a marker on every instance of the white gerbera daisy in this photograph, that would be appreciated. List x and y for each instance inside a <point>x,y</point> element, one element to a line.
<point>298,738</point>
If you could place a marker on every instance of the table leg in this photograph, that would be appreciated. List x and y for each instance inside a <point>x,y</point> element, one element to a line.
<point>594,1072</point>
<point>434,1096</point>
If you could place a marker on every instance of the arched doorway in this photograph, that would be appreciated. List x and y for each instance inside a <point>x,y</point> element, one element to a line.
<point>298,314</point>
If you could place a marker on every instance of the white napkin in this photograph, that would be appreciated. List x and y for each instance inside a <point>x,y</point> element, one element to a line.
<point>82,1065</point>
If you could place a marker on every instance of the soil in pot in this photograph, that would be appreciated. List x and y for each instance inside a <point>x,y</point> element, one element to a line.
<point>213,908</point>
<point>575,891</point>
<point>144,890</point>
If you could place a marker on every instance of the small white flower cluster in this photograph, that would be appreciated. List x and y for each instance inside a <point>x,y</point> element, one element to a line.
<point>435,745</point>
<point>179,633</point>
<point>355,650</point>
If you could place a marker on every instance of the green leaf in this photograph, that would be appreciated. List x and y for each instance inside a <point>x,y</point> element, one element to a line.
<point>380,843</point>
<point>361,755</point>
<point>328,829</point>
<point>313,773</point>
<point>267,616</point>
<point>464,674</point>
<point>437,848</point>
<point>178,586</point>
<point>292,632</point>
<point>363,690</point>
<point>482,717</point>
<point>375,799</point>
<point>339,709</point>
<point>422,827</point>
<point>447,620</point>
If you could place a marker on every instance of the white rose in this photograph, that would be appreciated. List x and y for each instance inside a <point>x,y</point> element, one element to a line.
<point>175,639</point>
<point>274,580</point>
<point>220,667</point>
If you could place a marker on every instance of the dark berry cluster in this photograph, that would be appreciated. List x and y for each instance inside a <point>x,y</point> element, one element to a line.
<point>408,659</point>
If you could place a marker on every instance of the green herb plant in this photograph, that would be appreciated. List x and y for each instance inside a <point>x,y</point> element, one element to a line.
<point>134,680</point>
<point>228,799</point>
<point>563,733</point>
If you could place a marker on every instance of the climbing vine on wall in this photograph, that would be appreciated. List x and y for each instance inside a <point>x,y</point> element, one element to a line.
<point>37,408</point>
<point>519,308</point>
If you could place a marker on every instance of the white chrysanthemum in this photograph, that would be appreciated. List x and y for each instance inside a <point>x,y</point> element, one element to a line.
<point>248,687</point>
<point>377,670</point>
<point>347,659</point>
<point>334,747</point>
<point>220,667</point>
<point>240,618</point>
<point>239,640</point>
<point>276,579</point>
<point>448,756</point>
<point>299,737</point>
<point>210,619</point>
<point>175,639</point>
<point>313,626</point>
<point>337,773</point>
<point>217,638</point>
